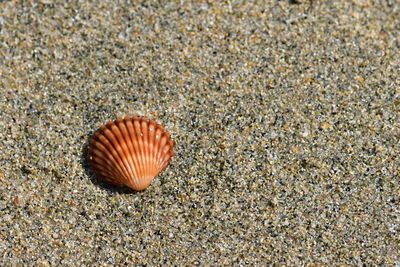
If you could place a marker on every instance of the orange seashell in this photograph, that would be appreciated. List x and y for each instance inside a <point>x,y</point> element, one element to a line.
<point>130,152</point>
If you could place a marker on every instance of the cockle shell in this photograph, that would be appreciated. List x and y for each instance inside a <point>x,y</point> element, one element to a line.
<point>130,152</point>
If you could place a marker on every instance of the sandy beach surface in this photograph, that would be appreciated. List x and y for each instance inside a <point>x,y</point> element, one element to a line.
<point>285,114</point>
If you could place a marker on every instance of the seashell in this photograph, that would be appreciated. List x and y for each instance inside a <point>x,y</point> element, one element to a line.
<point>130,152</point>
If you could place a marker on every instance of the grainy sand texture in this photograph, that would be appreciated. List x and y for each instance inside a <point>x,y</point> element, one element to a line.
<point>285,114</point>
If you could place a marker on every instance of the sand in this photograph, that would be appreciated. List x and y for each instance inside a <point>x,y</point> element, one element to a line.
<point>285,114</point>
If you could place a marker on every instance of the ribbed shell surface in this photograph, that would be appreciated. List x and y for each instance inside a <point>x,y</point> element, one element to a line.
<point>130,152</point>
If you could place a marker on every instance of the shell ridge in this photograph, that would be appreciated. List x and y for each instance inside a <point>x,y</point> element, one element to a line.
<point>148,177</point>
<point>165,156</point>
<point>103,147</point>
<point>122,148</point>
<point>124,141</point>
<point>152,127</point>
<point>163,141</point>
<point>167,153</point>
<point>158,135</point>
<point>144,131</point>
<point>130,141</point>
<point>102,162</point>
<point>141,149</point>
<point>107,174</point>
<point>135,142</point>
<point>108,135</point>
